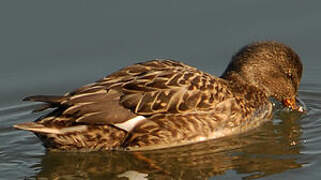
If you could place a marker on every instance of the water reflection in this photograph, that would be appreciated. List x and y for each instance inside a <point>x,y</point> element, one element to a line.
<point>270,149</point>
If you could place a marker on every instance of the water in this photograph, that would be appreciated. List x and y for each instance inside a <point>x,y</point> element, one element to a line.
<point>54,47</point>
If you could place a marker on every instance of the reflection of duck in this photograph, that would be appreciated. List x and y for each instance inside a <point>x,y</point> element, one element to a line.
<point>164,103</point>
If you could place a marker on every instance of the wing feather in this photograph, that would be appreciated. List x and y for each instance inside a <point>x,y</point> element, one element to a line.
<point>143,89</point>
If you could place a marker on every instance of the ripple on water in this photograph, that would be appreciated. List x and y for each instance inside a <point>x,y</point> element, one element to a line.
<point>20,150</point>
<point>311,123</point>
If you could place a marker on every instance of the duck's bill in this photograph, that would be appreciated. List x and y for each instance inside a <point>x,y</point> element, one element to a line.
<point>295,104</point>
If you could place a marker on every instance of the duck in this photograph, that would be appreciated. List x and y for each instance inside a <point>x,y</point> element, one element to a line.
<point>165,103</point>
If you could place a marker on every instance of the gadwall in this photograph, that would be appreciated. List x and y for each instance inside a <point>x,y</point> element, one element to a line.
<point>165,103</point>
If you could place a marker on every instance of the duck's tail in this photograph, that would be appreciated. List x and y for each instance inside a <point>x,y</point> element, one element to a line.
<point>58,132</point>
<point>40,128</point>
<point>46,99</point>
<point>76,138</point>
<point>51,101</point>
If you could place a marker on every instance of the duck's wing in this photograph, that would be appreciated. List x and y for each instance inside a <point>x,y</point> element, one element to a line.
<point>144,89</point>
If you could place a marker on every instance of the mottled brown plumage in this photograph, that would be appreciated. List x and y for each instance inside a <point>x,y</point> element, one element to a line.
<point>165,103</point>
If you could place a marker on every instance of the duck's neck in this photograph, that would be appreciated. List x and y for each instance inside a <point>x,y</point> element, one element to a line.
<point>252,96</point>
<point>232,77</point>
<point>235,78</point>
<point>244,88</point>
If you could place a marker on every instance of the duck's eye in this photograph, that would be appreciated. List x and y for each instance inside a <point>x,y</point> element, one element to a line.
<point>290,76</point>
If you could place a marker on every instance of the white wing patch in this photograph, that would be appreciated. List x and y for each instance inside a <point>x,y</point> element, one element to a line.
<point>133,175</point>
<point>130,124</point>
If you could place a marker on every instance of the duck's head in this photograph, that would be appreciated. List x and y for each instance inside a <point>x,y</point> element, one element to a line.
<point>270,66</point>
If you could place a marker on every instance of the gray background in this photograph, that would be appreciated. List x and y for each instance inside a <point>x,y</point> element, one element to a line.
<point>56,46</point>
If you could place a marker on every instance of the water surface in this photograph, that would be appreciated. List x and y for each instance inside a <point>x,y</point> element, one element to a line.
<point>54,47</point>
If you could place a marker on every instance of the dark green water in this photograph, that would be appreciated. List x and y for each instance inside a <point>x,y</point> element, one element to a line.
<point>50,47</point>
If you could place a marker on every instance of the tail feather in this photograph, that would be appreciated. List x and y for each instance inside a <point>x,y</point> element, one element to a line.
<point>42,108</point>
<point>40,128</point>
<point>52,101</point>
<point>46,99</point>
